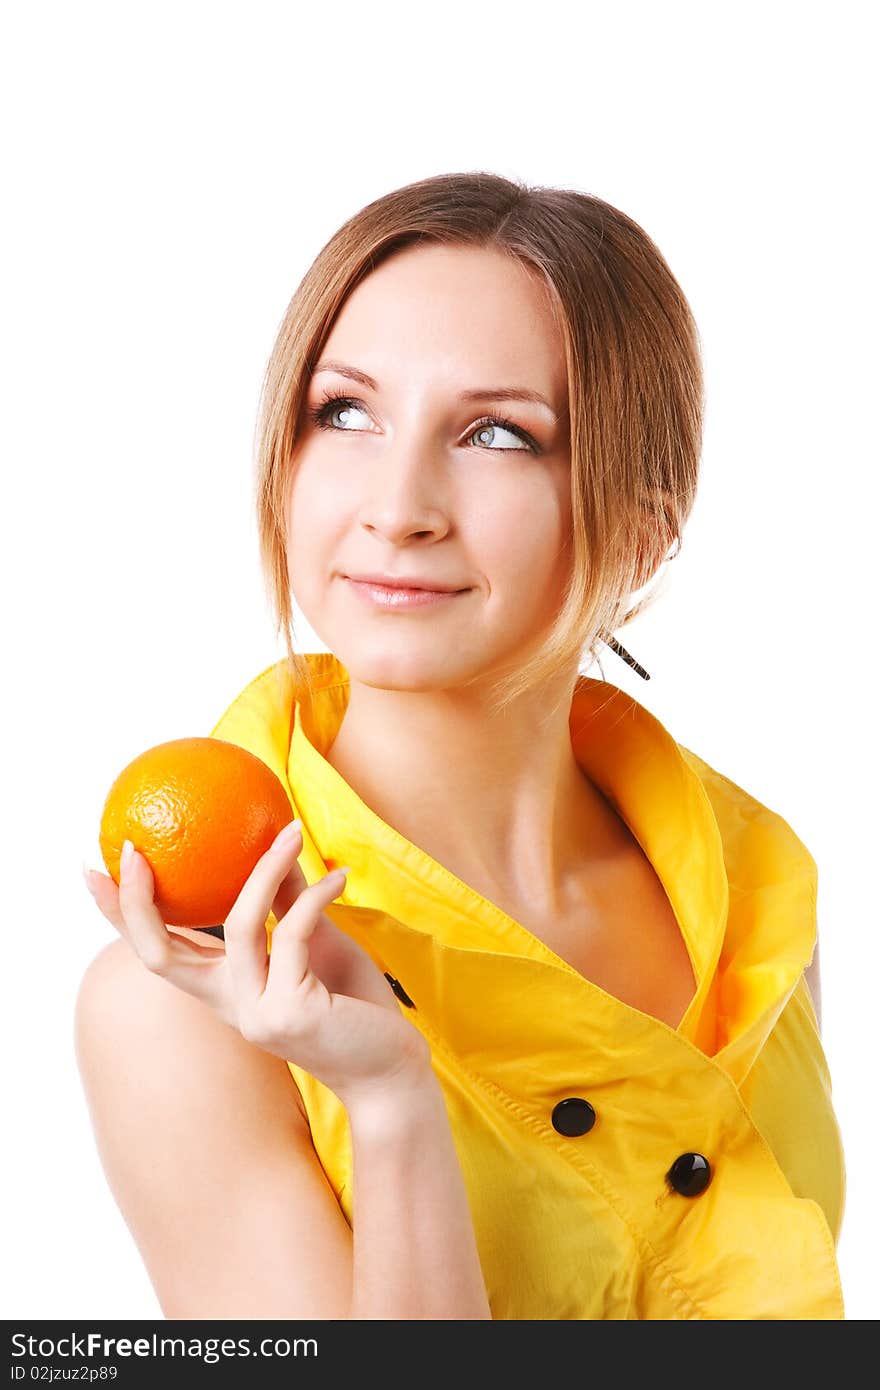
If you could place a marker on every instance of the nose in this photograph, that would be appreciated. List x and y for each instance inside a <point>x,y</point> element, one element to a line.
<point>405,494</point>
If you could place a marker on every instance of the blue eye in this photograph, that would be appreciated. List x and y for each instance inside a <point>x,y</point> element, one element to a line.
<point>322,417</point>
<point>491,422</point>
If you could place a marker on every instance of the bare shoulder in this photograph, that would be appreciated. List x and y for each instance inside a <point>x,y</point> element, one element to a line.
<point>117,990</point>
<point>206,1147</point>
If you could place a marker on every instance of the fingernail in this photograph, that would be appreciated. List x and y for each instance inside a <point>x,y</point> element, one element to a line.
<point>125,859</point>
<point>87,873</point>
<point>285,838</point>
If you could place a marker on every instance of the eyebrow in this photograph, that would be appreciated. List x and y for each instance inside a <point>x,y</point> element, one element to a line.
<point>487,393</point>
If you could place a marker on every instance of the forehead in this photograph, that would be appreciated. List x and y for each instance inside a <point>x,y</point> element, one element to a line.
<point>455,313</point>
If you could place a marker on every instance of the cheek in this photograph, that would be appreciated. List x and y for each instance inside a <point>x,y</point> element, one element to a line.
<point>311,514</point>
<point>302,539</point>
<point>524,538</point>
<point>306,497</point>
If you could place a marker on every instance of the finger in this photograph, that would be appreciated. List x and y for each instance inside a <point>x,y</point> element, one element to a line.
<point>289,890</point>
<point>245,927</point>
<point>337,960</point>
<point>146,928</point>
<point>198,972</point>
<point>289,963</point>
<point>105,893</point>
<point>338,957</point>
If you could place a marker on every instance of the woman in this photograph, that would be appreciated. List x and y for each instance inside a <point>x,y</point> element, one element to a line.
<point>595,1087</point>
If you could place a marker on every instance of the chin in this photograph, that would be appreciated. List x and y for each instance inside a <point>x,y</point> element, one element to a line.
<point>408,669</point>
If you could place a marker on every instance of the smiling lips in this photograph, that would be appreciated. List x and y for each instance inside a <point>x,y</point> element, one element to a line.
<point>407,581</point>
<point>399,596</point>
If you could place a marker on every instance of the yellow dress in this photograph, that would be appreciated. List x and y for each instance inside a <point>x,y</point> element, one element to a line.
<point>615,1167</point>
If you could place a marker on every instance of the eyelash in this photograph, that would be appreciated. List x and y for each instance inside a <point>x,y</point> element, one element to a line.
<point>319,416</point>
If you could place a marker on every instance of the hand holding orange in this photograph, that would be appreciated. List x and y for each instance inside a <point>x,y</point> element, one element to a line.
<point>201,811</point>
<point>205,817</point>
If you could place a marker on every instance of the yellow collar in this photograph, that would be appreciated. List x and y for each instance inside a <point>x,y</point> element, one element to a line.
<point>741,884</point>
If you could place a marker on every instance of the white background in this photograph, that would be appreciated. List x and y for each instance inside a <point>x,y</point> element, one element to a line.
<point>169,172</point>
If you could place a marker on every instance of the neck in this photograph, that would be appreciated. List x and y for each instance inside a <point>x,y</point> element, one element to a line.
<point>500,802</point>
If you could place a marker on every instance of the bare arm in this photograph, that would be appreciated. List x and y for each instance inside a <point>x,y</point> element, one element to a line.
<point>415,1253</point>
<point>208,1154</point>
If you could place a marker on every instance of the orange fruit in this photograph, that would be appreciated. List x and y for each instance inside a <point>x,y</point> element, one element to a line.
<point>201,811</point>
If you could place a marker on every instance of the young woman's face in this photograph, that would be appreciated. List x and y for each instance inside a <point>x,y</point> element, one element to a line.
<point>405,478</point>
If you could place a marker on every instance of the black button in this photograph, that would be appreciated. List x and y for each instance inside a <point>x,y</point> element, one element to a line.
<point>399,990</point>
<point>690,1175</point>
<point>573,1116</point>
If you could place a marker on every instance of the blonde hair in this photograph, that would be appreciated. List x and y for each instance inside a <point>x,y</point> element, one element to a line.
<point>635,386</point>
